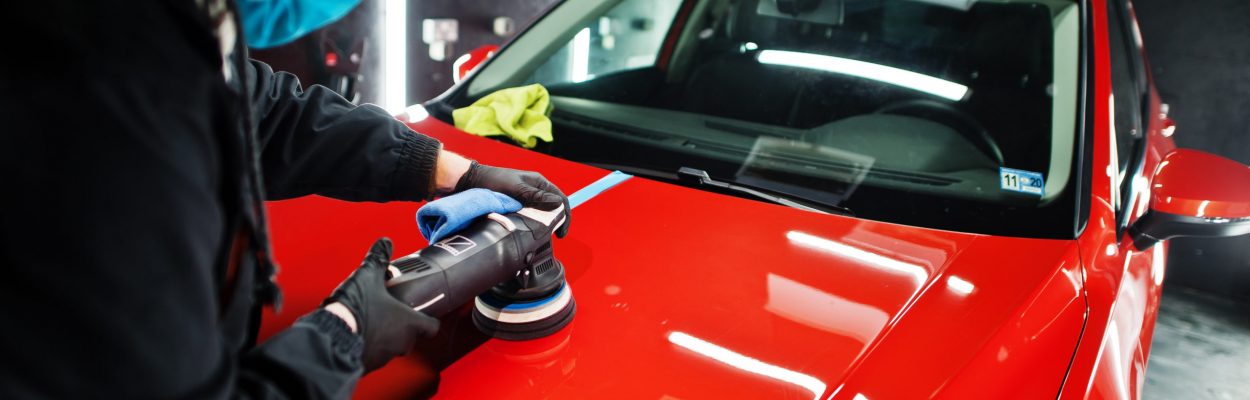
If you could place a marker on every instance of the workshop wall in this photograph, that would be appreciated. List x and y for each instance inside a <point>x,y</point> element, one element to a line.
<point>428,78</point>
<point>1200,57</point>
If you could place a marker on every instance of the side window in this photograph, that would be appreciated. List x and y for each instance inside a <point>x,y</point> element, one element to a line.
<point>1128,87</point>
<point>627,37</point>
<point>1125,85</point>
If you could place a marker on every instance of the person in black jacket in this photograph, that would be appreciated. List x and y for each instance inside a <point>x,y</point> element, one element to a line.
<point>138,145</point>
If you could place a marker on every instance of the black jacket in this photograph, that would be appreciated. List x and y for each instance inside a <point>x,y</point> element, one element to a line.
<point>133,251</point>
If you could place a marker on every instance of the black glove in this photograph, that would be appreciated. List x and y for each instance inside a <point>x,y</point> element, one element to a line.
<point>388,326</point>
<point>529,188</point>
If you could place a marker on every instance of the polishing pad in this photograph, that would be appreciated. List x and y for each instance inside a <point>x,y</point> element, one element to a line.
<point>524,319</point>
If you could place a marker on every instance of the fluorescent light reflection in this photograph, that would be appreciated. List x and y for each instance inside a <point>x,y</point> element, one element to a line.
<point>959,285</point>
<point>416,113</point>
<point>455,66</point>
<point>579,57</point>
<point>1141,187</point>
<point>881,73</point>
<point>748,364</point>
<point>818,309</point>
<point>394,96</point>
<point>1157,264</point>
<point>917,272</point>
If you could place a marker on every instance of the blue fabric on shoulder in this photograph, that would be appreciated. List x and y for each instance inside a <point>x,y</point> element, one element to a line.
<point>272,23</point>
<point>447,215</point>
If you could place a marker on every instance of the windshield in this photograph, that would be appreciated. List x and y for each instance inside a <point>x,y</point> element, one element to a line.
<point>950,114</point>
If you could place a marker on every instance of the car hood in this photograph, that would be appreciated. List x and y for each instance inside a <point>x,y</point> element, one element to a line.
<point>683,293</point>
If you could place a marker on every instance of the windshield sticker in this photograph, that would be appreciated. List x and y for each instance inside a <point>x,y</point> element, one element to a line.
<point>1021,181</point>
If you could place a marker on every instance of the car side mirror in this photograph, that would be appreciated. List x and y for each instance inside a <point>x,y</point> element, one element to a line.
<point>1195,194</point>
<point>470,61</point>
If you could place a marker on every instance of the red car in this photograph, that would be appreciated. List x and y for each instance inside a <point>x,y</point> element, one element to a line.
<point>877,199</point>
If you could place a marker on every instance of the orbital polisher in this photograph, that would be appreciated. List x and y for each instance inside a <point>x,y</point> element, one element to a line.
<point>504,264</point>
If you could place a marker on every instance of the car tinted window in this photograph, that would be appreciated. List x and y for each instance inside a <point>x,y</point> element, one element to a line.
<point>625,38</point>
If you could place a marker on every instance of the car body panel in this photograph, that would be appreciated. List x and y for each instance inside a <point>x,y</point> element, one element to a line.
<point>1123,284</point>
<point>702,295</point>
<point>1209,195</point>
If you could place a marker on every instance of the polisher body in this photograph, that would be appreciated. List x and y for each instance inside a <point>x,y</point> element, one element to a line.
<point>507,259</point>
<point>450,272</point>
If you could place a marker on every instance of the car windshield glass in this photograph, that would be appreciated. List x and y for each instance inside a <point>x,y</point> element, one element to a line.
<point>951,114</point>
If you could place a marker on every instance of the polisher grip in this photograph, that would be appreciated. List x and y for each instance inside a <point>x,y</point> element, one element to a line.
<point>450,273</point>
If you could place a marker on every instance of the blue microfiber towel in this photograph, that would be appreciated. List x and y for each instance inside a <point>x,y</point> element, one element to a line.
<point>447,215</point>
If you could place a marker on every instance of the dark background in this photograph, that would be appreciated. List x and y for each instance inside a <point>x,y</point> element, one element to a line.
<point>1199,53</point>
<point>1200,57</point>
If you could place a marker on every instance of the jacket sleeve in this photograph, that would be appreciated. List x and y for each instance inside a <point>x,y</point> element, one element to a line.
<point>317,357</point>
<point>316,142</point>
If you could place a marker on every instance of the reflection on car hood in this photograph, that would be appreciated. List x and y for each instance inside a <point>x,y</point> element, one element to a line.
<point>688,294</point>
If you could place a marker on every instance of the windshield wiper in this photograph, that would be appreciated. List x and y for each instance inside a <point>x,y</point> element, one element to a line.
<point>700,177</point>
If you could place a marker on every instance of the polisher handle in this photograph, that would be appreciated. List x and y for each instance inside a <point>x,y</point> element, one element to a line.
<point>450,273</point>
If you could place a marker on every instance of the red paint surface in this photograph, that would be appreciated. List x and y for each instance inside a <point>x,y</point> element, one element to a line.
<point>474,59</point>
<point>1197,184</point>
<point>1122,285</point>
<point>777,302</point>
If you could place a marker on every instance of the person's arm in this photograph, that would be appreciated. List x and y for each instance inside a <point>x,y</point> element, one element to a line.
<point>316,142</point>
<point>319,356</point>
<point>325,352</point>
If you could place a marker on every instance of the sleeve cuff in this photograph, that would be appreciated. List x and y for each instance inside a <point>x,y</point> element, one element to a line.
<point>414,176</point>
<point>340,334</point>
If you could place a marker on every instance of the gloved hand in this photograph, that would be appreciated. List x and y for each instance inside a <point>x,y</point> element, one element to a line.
<point>529,188</point>
<point>389,327</point>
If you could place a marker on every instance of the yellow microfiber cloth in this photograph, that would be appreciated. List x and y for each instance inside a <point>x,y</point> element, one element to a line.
<point>519,113</point>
